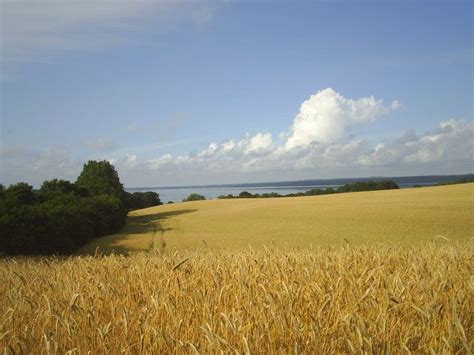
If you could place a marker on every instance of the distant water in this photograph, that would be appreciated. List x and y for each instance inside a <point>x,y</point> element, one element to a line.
<point>177,194</point>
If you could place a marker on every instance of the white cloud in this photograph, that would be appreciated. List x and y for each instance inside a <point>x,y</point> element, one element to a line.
<point>157,163</point>
<point>446,149</point>
<point>326,115</point>
<point>36,166</point>
<point>210,151</point>
<point>228,146</point>
<point>452,141</point>
<point>131,160</point>
<point>318,142</point>
<point>260,143</point>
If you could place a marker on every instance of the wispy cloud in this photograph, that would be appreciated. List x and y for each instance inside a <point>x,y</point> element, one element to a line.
<point>36,166</point>
<point>34,30</point>
<point>132,127</point>
<point>100,144</point>
<point>161,128</point>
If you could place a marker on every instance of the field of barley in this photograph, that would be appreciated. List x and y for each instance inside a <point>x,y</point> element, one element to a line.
<point>405,216</point>
<point>371,272</point>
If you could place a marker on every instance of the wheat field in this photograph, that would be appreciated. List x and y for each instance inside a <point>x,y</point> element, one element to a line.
<point>404,216</point>
<point>377,299</point>
<point>292,275</point>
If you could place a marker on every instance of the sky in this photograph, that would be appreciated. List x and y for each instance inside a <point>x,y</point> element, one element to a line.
<point>208,92</point>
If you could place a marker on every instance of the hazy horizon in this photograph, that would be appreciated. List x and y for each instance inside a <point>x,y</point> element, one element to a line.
<point>270,183</point>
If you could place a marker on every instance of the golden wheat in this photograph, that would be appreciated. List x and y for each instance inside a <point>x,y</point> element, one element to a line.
<point>404,216</point>
<point>377,299</point>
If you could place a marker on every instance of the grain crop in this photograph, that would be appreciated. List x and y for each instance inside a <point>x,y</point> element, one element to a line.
<point>404,216</point>
<point>344,299</point>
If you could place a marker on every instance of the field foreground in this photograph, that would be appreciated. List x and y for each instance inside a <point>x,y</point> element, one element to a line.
<point>381,299</point>
<point>404,216</point>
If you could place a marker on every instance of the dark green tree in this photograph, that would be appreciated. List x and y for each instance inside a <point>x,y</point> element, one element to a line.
<point>57,187</point>
<point>246,194</point>
<point>139,200</point>
<point>62,216</point>
<point>101,178</point>
<point>194,197</point>
<point>19,194</point>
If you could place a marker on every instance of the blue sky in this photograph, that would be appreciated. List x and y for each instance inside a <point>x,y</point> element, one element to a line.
<point>160,88</point>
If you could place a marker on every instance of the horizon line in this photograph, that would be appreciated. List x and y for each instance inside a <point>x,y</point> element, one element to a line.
<point>248,184</point>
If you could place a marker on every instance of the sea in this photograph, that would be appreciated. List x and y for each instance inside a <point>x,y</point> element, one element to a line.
<point>178,193</point>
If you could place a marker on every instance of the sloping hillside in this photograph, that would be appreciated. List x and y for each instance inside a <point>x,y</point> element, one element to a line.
<point>398,216</point>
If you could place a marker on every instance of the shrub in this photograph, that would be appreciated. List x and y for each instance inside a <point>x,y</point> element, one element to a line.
<point>138,200</point>
<point>59,218</point>
<point>194,197</point>
<point>245,194</point>
<point>368,186</point>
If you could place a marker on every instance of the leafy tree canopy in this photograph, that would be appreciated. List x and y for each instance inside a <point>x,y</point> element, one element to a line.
<point>139,200</point>
<point>62,216</point>
<point>245,194</point>
<point>194,197</point>
<point>57,187</point>
<point>19,194</point>
<point>100,178</point>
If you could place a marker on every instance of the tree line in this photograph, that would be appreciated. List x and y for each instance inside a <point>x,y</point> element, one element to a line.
<point>465,180</point>
<point>62,216</point>
<point>357,186</point>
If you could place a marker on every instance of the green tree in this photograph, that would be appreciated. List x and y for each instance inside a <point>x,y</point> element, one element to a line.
<point>100,178</point>
<point>246,194</point>
<point>139,200</point>
<point>20,194</point>
<point>194,197</point>
<point>57,187</point>
<point>62,216</point>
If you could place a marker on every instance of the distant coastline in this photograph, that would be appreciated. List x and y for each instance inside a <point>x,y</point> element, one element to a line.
<point>418,179</point>
<point>178,193</point>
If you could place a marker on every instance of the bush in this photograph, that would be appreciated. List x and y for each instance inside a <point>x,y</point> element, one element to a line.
<point>246,194</point>
<point>59,225</point>
<point>271,195</point>
<point>138,200</point>
<point>59,218</point>
<point>194,197</point>
<point>368,186</point>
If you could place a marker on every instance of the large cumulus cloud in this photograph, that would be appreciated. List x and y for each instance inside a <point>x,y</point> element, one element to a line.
<point>319,144</point>
<point>326,115</point>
